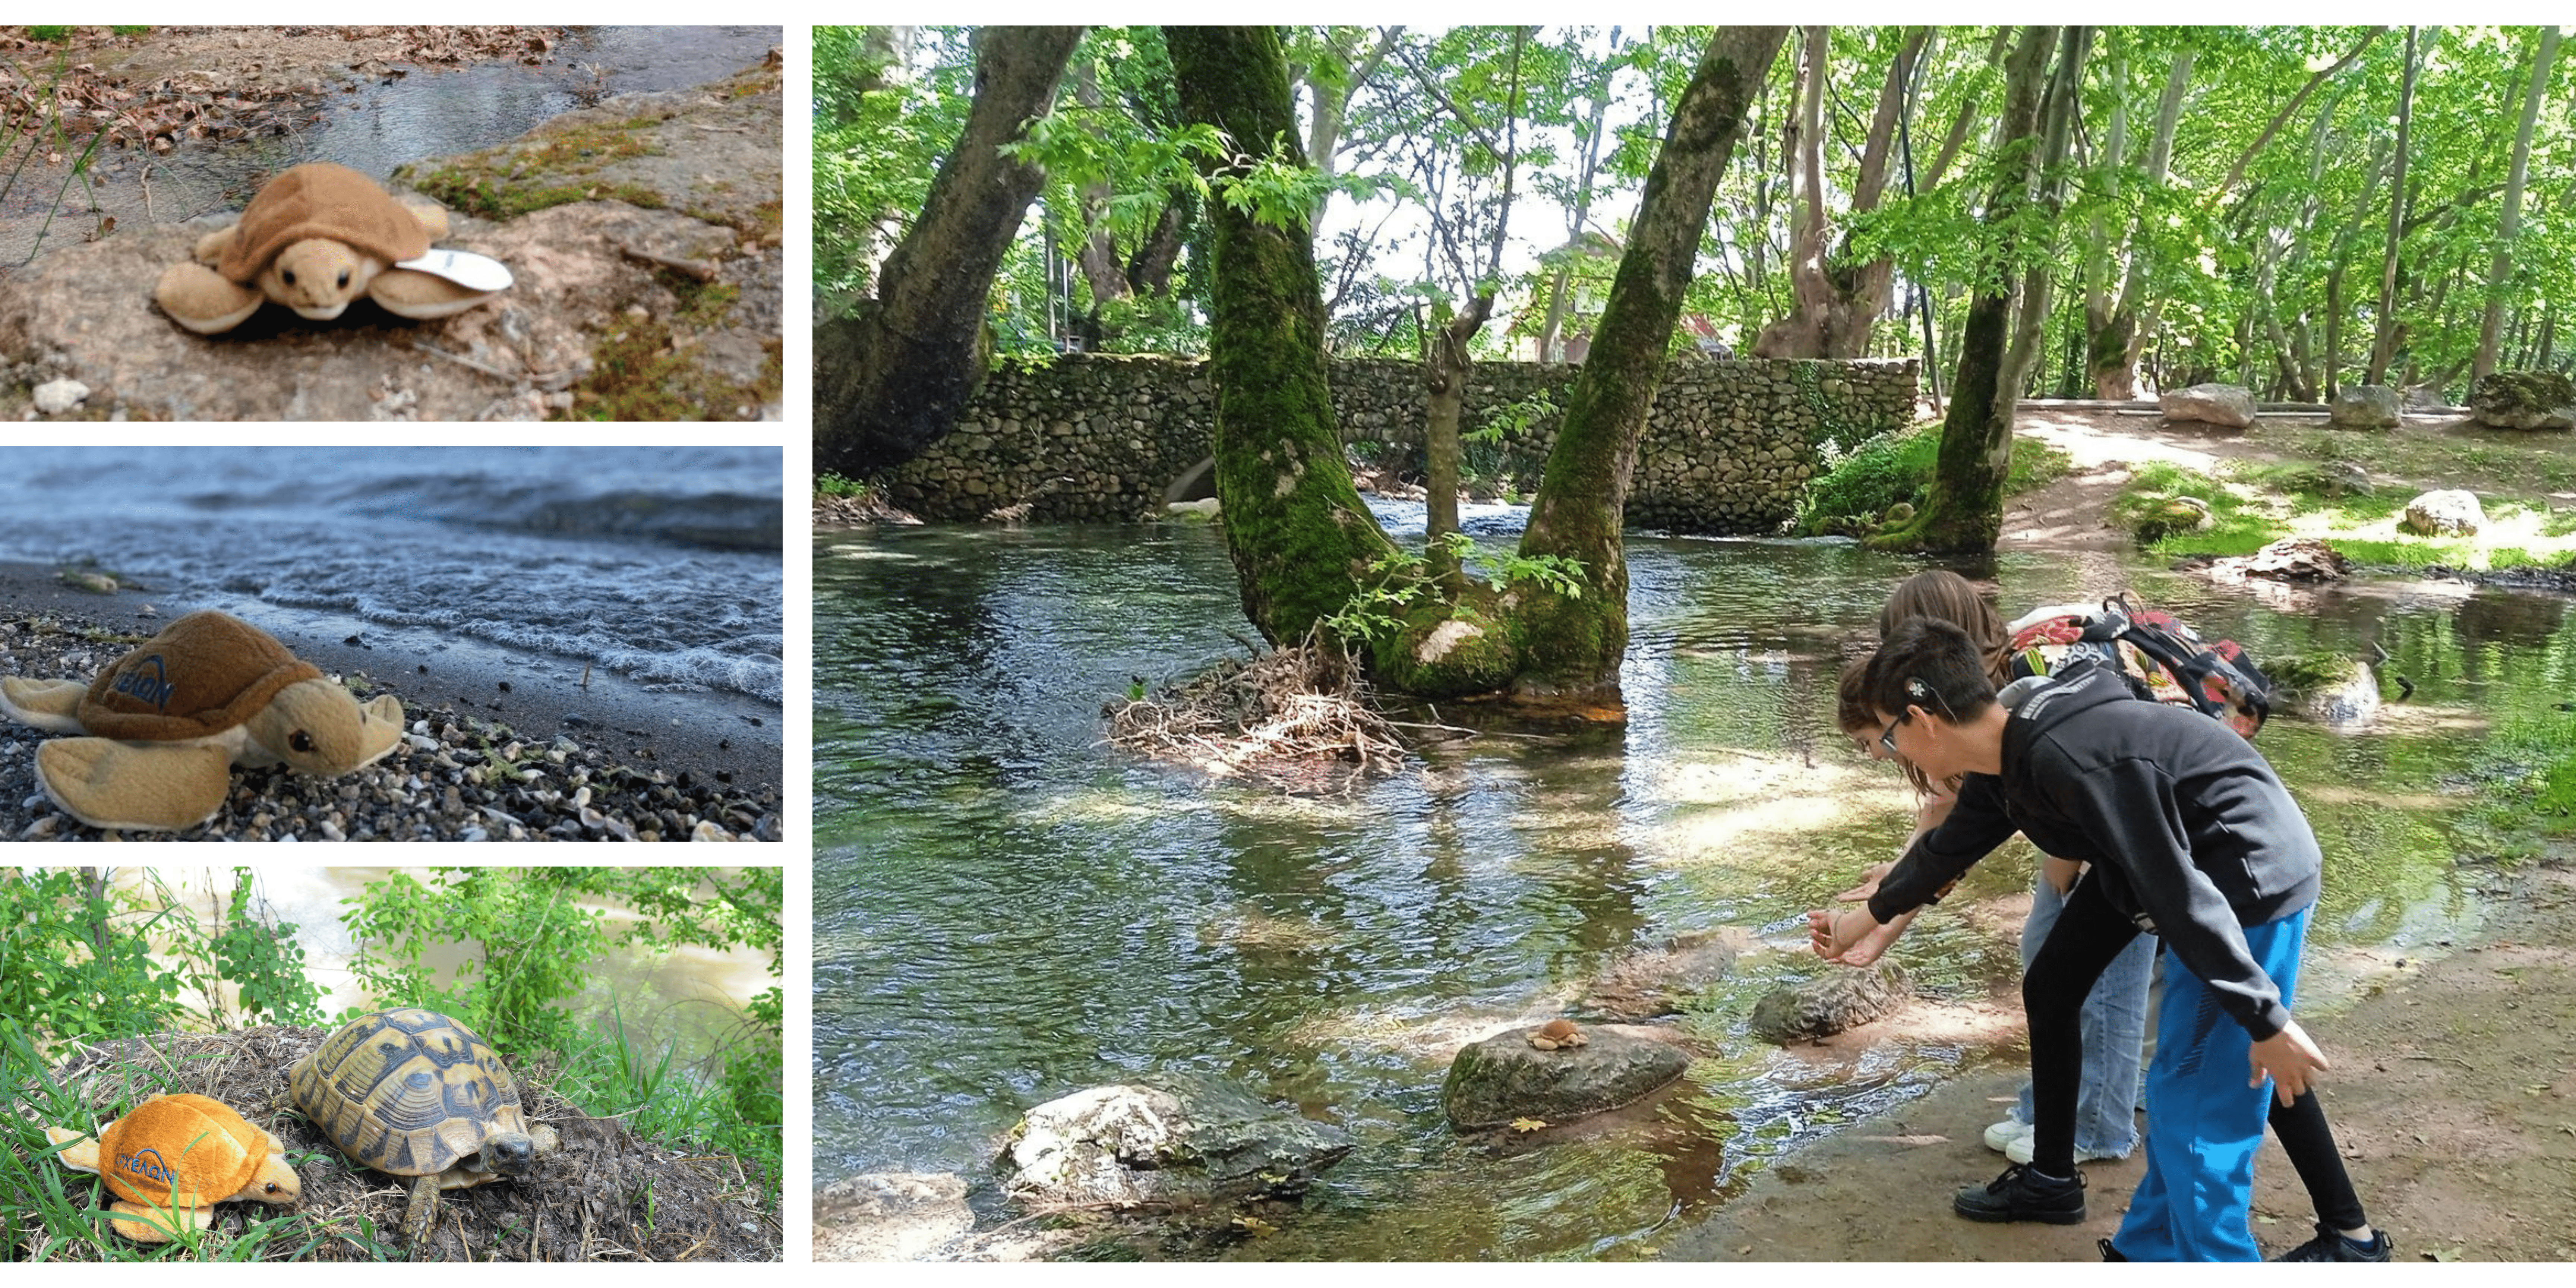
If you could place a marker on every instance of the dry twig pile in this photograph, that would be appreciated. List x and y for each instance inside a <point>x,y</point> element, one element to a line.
<point>1295,715</point>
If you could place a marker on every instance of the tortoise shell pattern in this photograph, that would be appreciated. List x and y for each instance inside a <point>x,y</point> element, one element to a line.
<point>408,1092</point>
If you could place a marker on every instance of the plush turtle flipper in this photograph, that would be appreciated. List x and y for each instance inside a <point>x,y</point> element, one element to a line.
<point>203,300</point>
<point>51,705</point>
<point>154,1225</point>
<point>433,219</point>
<point>136,787</point>
<point>82,1156</point>
<point>418,1216</point>
<point>408,293</point>
<point>210,248</point>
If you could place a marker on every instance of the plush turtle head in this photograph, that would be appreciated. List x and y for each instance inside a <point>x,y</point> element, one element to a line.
<point>319,728</point>
<point>317,277</point>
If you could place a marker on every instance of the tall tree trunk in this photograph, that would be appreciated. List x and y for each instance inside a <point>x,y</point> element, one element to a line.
<point>1964,511</point>
<point>1835,305</point>
<point>2057,127</point>
<point>1300,535</point>
<point>889,381</point>
<point>1573,646</point>
<point>1098,256</point>
<point>2282,117</point>
<point>2115,339</point>
<point>1332,103</point>
<point>1445,370</point>
<point>2511,224</point>
<point>2383,348</point>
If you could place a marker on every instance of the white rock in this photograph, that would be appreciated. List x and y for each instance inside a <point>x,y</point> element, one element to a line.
<point>54,397</point>
<point>2451,512</point>
<point>2228,405</point>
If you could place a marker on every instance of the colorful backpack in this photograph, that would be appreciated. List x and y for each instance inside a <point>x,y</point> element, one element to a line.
<point>2164,659</point>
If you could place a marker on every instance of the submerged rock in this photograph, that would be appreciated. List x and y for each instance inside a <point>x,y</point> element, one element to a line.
<point>1656,982</point>
<point>1184,1143</point>
<point>648,271</point>
<point>1839,999</point>
<point>2329,688</point>
<point>890,1216</point>
<point>2231,406</point>
<point>1504,1077</point>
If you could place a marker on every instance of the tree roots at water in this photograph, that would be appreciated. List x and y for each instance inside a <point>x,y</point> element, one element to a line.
<point>1300,716</point>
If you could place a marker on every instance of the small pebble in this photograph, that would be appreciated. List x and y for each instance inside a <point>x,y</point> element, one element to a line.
<point>54,397</point>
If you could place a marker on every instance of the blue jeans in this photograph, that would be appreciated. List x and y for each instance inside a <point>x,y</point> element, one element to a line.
<point>2191,1205</point>
<point>2114,1026</point>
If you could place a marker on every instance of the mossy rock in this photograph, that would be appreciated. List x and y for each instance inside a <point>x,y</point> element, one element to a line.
<point>2156,518</point>
<point>2524,400</point>
<point>1447,651</point>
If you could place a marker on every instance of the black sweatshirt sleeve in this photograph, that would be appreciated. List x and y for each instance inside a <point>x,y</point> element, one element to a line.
<point>1976,825</point>
<point>2129,808</point>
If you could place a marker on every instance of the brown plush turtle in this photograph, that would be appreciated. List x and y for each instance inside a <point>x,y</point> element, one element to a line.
<point>173,1159</point>
<point>316,237</point>
<point>169,720</point>
<point>414,1094</point>
<point>1558,1035</point>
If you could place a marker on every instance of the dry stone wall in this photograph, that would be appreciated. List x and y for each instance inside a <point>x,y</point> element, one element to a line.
<point>1103,438</point>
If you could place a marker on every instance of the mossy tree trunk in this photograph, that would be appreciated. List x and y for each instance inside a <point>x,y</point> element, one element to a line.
<point>889,381</point>
<point>1300,535</point>
<point>1573,646</point>
<point>1964,510</point>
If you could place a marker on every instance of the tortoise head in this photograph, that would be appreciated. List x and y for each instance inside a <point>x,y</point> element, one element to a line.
<point>317,277</point>
<point>321,729</point>
<point>511,1153</point>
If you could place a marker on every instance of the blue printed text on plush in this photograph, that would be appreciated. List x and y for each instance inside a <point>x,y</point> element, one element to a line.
<point>153,688</point>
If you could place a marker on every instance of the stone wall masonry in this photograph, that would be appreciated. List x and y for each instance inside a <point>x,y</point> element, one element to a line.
<point>1103,438</point>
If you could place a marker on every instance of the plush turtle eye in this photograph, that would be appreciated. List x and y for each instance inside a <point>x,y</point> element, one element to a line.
<point>272,1187</point>
<point>289,275</point>
<point>301,741</point>
<point>344,277</point>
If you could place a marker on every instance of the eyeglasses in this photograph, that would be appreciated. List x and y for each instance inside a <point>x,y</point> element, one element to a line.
<point>1887,736</point>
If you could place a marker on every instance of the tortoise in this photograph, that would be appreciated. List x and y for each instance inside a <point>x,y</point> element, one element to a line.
<point>168,720</point>
<point>411,1092</point>
<point>316,237</point>
<point>173,1158</point>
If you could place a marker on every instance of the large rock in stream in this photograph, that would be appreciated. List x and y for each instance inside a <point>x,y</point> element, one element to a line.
<point>645,239</point>
<point>1655,982</point>
<point>1503,1078</point>
<point>1841,998</point>
<point>1184,1142</point>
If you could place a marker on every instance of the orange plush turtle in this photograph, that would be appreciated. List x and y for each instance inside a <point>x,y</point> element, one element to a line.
<point>316,237</point>
<point>174,1158</point>
<point>170,719</point>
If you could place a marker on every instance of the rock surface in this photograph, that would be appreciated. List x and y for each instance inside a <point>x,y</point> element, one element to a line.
<point>54,397</point>
<point>646,293</point>
<point>2288,559</point>
<point>2451,512</point>
<point>890,1216</point>
<point>2365,407</point>
<point>2231,406</point>
<point>2524,400</point>
<point>1841,998</point>
<point>1657,982</point>
<point>1182,1143</point>
<point>2328,688</point>
<point>1504,1078</point>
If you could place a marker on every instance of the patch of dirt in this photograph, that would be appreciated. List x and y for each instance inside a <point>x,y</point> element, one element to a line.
<point>607,1195</point>
<point>2453,1099</point>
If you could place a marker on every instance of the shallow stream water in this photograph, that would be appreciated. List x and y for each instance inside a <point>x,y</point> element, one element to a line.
<point>427,112</point>
<point>1006,912</point>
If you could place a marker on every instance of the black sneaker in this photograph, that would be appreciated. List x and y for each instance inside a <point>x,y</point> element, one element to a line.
<point>2109,1253</point>
<point>2019,1195</point>
<point>2330,1245</point>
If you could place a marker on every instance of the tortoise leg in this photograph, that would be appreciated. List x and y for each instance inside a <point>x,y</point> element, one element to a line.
<point>81,1149</point>
<point>418,1217</point>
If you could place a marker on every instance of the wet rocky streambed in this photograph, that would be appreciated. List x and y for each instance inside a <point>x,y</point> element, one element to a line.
<point>1007,912</point>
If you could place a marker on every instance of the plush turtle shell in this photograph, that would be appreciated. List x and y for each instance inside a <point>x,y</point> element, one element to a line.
<point>203,674</point>
<point>407,1092</point>
<point>195,1147</point>
<point>320,199</point>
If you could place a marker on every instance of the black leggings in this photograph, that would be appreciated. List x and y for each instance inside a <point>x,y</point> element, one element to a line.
<point>2088,934</point>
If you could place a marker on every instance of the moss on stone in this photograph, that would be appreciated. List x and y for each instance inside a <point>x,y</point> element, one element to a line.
<point>1448,651</point>
<point>540,171</point>
<point>639,373</point>
<point>2302,673</point>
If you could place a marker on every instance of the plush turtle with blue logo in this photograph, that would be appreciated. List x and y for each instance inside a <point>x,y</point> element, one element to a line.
<point>175,1157</point>
<point>417,1095</point>
<point>170,719</point>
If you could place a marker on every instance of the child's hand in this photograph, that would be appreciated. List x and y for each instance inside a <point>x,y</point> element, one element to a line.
<point>2287,1057</point>
<point>1851,936</point>
<point>1869,879</point>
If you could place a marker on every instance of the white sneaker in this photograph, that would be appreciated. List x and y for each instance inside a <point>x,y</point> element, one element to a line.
<point>2018,1149</point>
<point>2000,1137</point>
